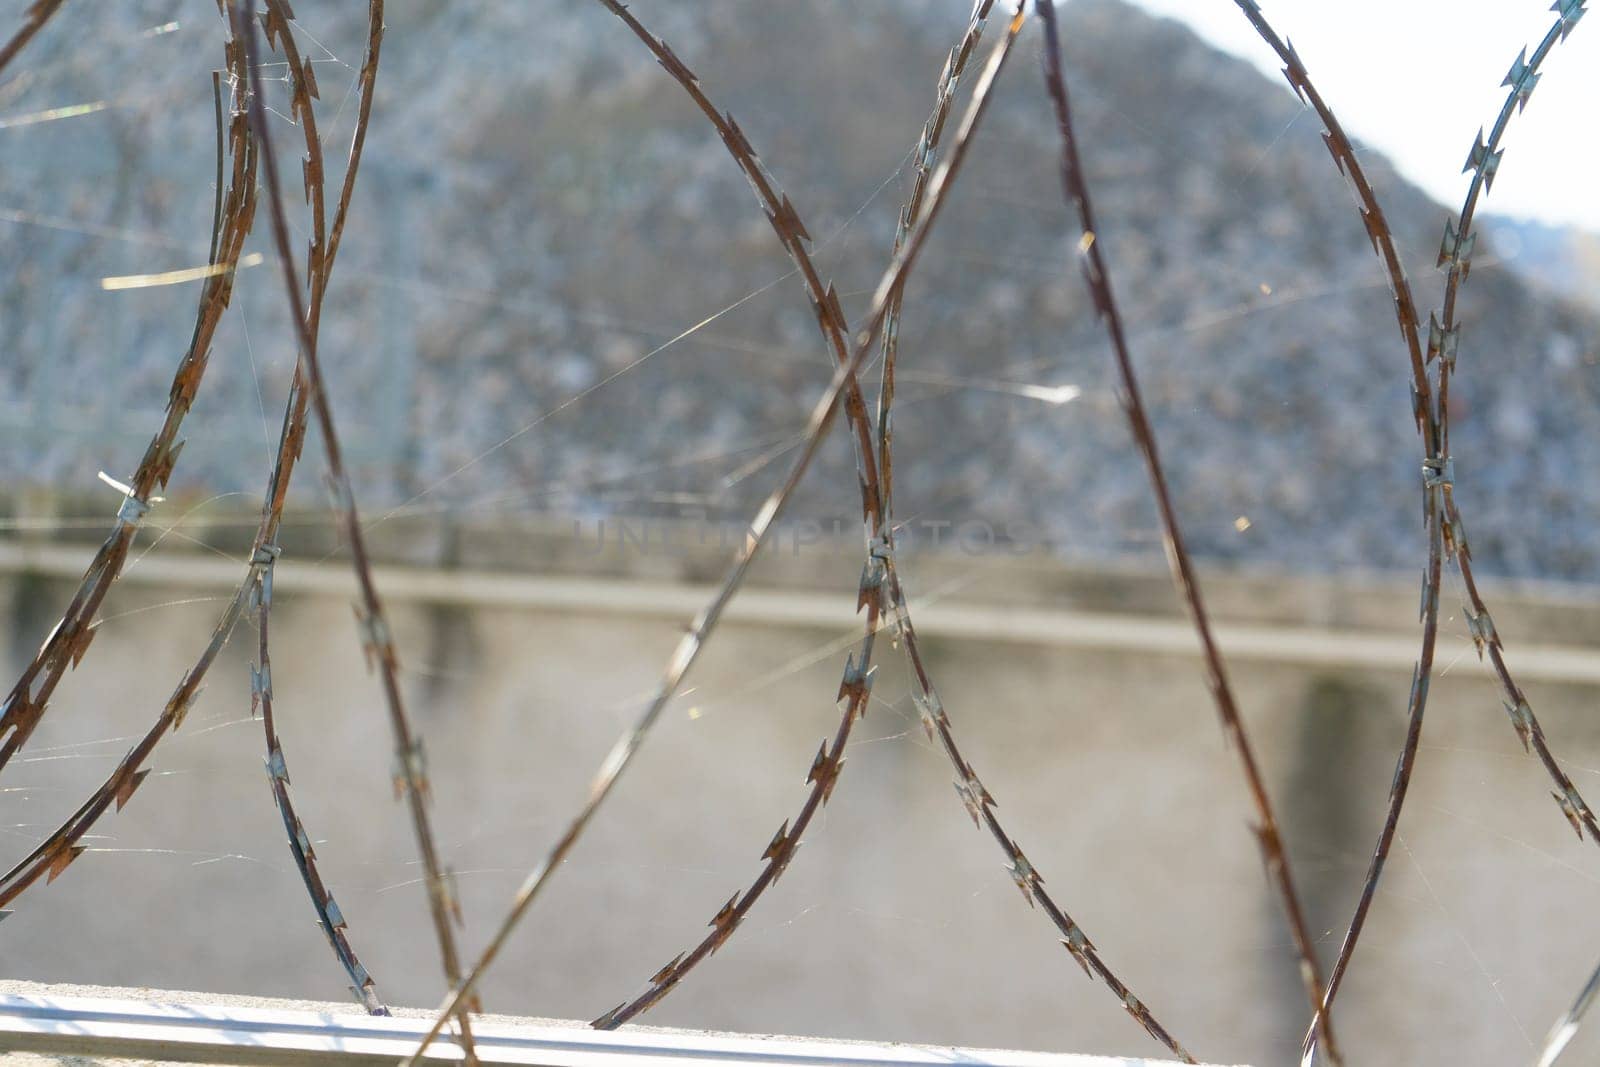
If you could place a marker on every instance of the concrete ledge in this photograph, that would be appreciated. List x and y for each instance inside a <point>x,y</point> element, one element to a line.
<point>166,1027</point>
<point>953,617</point>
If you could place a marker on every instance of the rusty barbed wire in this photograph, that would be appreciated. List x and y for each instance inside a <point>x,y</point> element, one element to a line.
<point>975,796</point>
<point>377,643</point>
<point>980,804</point>
<point>879,590</point>
<point>825,768</point>
<point>68,642</point>
<point>1446,531</point>
<point>329,916</point>
<point>233,216</point>
<point>319,264</point>
<point>33,20</point>
<point>922,155</point>
<point>1455,256</point>
<point>877,569</point>
<point>1098,282</point>
<point>254,592</point>
<point>855,685</point>
<point>1426,418</point>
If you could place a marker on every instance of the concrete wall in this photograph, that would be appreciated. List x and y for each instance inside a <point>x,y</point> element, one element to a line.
<point>1082,711</point>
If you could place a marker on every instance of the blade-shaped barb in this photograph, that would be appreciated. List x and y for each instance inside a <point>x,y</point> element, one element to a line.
<point>1523,76</point>
<point>1485,162</point>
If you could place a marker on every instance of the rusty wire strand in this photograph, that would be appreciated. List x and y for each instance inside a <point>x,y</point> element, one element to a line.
<point>28,699</point>
<point>855,685</point>
<point>319,264</point>
<point>230,227</point>
<point>329,916</point>
<point>1098,282</point>
<point>980,804</point>
<point>922,157</point>
<point>222,159</point>
<point>377,642</point>
<point>825,768</point>
<point>254,592</point>
<point>1455,255</point>
<point>1455,258</point>
<point>877,569</point>
<point>975,796</point>
<point>1426,418</point>
<point>1445,528</point>
<point>33,21</point>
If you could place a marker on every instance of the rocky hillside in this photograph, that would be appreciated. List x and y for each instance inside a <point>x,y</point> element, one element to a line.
<point>541,210</point>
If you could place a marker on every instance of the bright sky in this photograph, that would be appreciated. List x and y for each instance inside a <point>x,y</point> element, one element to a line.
<point>1416,78</point>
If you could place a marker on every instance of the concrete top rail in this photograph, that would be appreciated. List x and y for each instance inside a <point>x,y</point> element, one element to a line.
<point>165,1027</point>
<point>688,553</point>
<point>1344,644</point>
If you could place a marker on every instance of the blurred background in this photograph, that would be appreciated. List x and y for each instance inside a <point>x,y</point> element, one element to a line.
<point>568,358</point>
